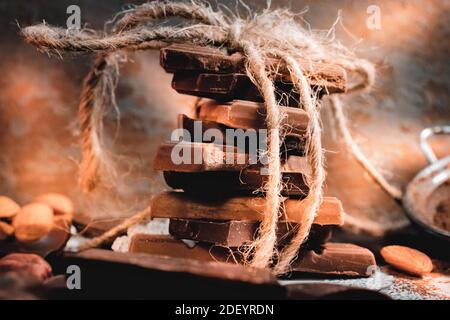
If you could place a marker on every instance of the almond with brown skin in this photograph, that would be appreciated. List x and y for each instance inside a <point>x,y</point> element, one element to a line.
<point>409,260</point>
<point>8,207</point>
<point>30,263</point>
<point>6,230</point>
<point>62,205</point>
<point>33,222</point>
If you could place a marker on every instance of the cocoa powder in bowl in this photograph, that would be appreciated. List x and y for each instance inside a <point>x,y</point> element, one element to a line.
<point>442,217</point>
<point>438,206</point>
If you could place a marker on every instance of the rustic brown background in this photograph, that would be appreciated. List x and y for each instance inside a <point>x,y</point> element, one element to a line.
<point>39,96</point>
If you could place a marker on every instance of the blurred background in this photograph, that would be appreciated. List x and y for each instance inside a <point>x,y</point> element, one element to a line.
<point>39,149</point>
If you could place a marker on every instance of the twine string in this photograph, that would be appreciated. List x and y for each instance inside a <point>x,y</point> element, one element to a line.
<point>316,160</point>
<point>265,243</point>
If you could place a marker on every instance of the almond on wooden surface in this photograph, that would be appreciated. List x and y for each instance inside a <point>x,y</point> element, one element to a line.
<point>8,207</point>
<point>62,205</point>
<point>33,222</point>
<point>31,264</point>
<point>406,259</point>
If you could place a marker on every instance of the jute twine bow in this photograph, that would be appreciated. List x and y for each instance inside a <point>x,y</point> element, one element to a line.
<point>269,34</point>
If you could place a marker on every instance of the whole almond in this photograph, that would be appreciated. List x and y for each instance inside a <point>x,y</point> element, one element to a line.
<point>407,259</point>
<point>6,230</point>
<point>29,263</point>
<point>62,205</point>
<point>8,207</point>
<point>33,222</point>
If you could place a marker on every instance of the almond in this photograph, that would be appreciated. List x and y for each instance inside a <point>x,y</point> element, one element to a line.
<point>6,230</point>
<point>407,259</point>
<point>26,262</point>
<point>62,205</point>
<point>33,222</point>
<point>8,207</point>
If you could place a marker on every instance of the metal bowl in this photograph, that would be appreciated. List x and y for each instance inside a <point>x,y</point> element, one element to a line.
<point>429,192</point>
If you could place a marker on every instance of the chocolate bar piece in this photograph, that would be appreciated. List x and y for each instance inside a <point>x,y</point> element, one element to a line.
<point>197,157</point>
<point>245,182</point>
<point>225,233</point>
<point>146,276</point>
<point>293,144</point>
<point>239,181</point>
<point>209,59</point>
<point>199,58</point>
<point>235,233</point>
<point>250,115</point>
<point>226,271</point>
<point>342,259</point>
<point>182,205</point>
<point>164,245</point>
<point>227,87</point>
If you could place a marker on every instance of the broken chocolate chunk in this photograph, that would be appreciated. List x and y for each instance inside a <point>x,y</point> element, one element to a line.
<point>182,205</point>
<point>146,276</point>
<point>187,57</point>
<point>250,115</point>
<point>236,233</point>
<point>342,259</point>
<point>164,245</point>
<point>227,87</point>
<point>293,144</point>
<point>198,157</point>
<point>245,182</point>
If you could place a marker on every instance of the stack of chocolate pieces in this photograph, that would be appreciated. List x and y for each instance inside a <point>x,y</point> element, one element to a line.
<point>218,203</point>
